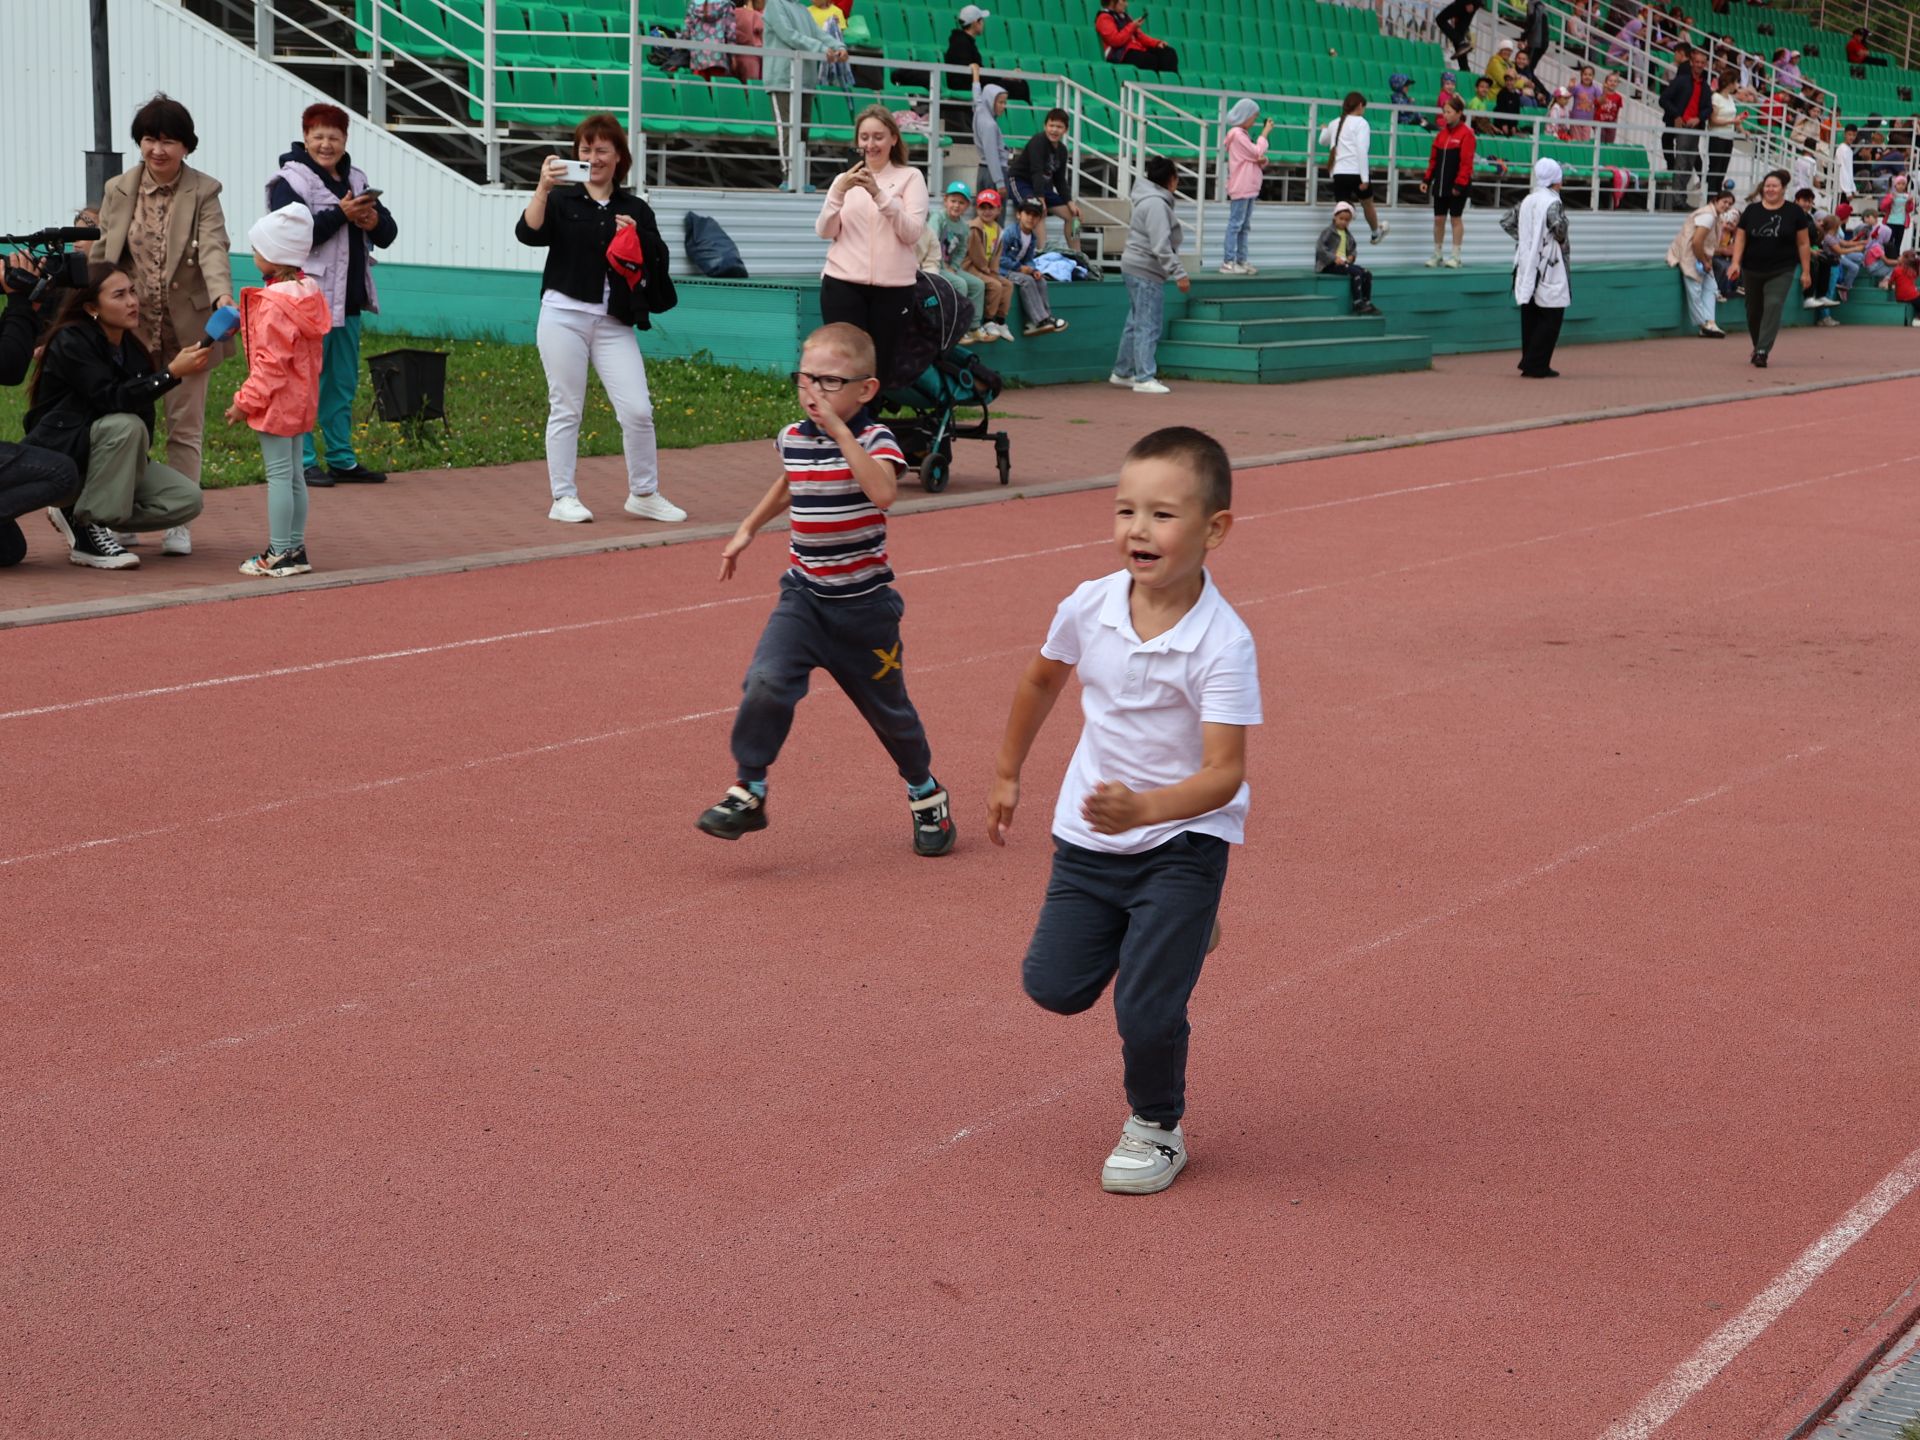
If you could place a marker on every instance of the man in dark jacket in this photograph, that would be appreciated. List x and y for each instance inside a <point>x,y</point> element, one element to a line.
<point>1455,22</point>
<point>30,478</point>
<point>1684,105</point>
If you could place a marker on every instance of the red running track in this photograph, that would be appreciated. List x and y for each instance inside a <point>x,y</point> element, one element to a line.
<point>385,1053</point>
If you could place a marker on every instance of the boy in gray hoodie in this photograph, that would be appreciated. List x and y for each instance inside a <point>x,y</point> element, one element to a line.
<point>1152,258</point>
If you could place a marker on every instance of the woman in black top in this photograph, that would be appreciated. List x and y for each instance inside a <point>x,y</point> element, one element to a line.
<point>92,399</point>
<point>1771,240</point>
<point>588,310</point>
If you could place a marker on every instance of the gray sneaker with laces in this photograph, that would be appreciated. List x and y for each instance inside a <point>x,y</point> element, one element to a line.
<point>1146,1159</point>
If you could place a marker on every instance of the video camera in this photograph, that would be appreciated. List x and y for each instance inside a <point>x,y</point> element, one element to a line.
<point>59,267</point>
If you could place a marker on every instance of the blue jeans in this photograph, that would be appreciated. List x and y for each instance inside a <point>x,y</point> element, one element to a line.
<point>1146,313</point>
<point>1698,279</point>
<point>1845,270</point>
<point>339,378</point>
<point>1239,222</point>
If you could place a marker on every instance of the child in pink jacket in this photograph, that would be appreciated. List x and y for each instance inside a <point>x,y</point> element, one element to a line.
<point>284,325</point>
<point>1246,169</point>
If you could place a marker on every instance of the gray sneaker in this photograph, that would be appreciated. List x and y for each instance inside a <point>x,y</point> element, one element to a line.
<point>1146,1159</point>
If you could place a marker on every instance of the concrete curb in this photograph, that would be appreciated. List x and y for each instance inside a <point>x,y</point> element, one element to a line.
<point>682,535</point>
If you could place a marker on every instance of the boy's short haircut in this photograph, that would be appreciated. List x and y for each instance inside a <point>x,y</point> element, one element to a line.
<point>1159,169</point>
<point>1203,456</point>
<point>849,342</point>
<point>1803,191</point>
<point>1031,206</point>
<point>1057,114</point>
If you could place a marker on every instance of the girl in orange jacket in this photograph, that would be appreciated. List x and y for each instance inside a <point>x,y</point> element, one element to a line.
<point>284,326</point>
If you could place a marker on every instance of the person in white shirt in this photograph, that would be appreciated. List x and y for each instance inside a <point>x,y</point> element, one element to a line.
<point>1843,184</point>
<point>1349,142</point>
<point>1156,793</point>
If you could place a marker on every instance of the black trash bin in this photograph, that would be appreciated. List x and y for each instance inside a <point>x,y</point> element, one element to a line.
<point>410,386</point>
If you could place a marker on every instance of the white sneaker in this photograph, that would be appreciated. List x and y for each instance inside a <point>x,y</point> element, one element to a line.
<point>1452,262</point>
<point>127,538</point>
<point>177,541</point>
<point>59,522</point>
<point>1145,1160</point>
<point>1150,386</point>
<point>1377,236</point>
<point>1828,303</point>
<point>1434,263</point>
<point>1246,269</point>
<point>1125,382</point>
<point>1000,329</point>
<point>655,507</point>
<point>1229,267</point>
<point>569,510</point>
<point>1812,302</point>
<point>1915,324</point>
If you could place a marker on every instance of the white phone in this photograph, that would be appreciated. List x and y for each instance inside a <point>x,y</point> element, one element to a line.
<point>577,170</point>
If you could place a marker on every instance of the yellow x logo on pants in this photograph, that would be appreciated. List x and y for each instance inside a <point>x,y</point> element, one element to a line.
<point>889,661</point>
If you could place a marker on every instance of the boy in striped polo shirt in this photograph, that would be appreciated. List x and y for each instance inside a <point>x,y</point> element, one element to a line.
<point>838,610</point>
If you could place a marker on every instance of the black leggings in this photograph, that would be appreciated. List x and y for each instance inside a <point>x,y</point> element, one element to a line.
<point>1162,59</point>
<point>1359,283</point>
<point>880,310</point>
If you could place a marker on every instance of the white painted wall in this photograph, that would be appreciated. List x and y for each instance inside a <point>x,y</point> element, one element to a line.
<point>247,111</point>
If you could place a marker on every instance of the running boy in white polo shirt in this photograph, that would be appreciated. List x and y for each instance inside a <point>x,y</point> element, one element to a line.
<point>1156,790</point>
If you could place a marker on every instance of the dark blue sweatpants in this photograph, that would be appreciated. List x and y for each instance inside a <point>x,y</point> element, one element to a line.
<point>857,642</point>
<point>1142,922</point>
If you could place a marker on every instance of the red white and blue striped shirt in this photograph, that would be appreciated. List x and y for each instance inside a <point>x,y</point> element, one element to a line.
<point>837,537</point>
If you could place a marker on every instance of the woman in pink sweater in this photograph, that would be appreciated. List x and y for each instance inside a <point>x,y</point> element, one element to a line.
<point>874,215</point>
<point>284,325</point>
<point>1246,169</point>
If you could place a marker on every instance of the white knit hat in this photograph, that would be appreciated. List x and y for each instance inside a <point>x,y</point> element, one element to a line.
<point>284,237</point>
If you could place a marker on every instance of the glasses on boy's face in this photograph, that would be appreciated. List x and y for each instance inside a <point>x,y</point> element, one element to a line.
<point>827,384</point>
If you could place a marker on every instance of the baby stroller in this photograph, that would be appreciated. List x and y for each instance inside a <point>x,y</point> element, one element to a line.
<point>933,378</point>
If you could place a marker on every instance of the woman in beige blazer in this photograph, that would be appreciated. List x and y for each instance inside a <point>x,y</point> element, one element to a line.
<point>162,222</point>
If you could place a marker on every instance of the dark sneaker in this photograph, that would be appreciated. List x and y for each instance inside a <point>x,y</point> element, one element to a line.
<point>95,547</point>
<point>740,812</point>
<point>358,474</point>
<point>318,478</point>
<point>270,562</point>
<point>1146,1159</point>
<point>297,562</point>
<point>933,832</point>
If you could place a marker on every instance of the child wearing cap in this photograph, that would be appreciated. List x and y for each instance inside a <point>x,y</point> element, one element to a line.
<point>1333,254</point>
<point>983,261</point>
<point>950,233</point>
<point>1019,247</point>
<point>284,326</point>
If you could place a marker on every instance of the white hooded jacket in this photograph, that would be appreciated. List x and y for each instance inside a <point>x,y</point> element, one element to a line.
<point>1539,229</point>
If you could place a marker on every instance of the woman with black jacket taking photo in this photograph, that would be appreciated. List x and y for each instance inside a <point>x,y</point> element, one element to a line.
<point>92,400</point>
<point>589,307</point>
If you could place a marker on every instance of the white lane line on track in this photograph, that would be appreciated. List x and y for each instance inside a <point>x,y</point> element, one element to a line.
<point>574,627</point>
<point>622,732</point>
<point>1701,1368</point>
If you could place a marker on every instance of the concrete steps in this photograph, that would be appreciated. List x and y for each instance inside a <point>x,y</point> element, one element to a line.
<point>1277,362</point>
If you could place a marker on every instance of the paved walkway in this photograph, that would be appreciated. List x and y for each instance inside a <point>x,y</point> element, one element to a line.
<point>1064,437</point>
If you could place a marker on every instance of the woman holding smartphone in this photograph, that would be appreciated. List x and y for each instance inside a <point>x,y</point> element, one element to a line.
<point>588,314</point>
<point>874,215</point>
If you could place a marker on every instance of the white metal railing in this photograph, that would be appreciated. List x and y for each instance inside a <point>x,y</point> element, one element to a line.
<point>1192,121</point>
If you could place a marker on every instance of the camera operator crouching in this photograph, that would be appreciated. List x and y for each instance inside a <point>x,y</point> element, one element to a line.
<point>92,401</point>
<point>31,478</point>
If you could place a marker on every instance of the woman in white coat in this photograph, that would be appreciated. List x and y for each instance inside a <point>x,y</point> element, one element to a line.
<point>1349,142</point>
<point>1538,225</point>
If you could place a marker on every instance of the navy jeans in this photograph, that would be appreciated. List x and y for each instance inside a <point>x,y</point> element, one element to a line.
<point>1142,922</point>
<point>857,642</point>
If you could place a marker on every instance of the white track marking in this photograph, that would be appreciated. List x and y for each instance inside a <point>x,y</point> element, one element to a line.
<point>574,627</point>
<point>458,767</point>
<point>1701,1368</point>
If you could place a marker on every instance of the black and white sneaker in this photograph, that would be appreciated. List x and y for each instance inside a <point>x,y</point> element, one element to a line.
<point>95,547</point>
<point>739,812</point>
<point>1146,1160</point>
<point>933,832</point>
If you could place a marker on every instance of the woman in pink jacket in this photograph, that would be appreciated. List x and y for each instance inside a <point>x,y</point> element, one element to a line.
<point>874,215</point>
<point>284,326</point>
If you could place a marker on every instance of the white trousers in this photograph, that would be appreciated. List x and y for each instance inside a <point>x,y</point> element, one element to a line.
<point>569,339</point>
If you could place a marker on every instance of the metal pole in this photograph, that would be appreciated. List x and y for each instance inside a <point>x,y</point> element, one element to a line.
<point>636,115</point>
<point>489,87</point>
<point>263,29</point>
<point>796,125</point>
<point>936,161</point>
<point>377,70</point>
<point>103,161</point>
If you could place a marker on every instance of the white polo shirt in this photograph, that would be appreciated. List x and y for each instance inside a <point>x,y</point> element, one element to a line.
<point>1144,701</point>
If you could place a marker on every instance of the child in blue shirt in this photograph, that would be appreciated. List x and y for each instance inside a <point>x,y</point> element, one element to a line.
<point>1019,247</point>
